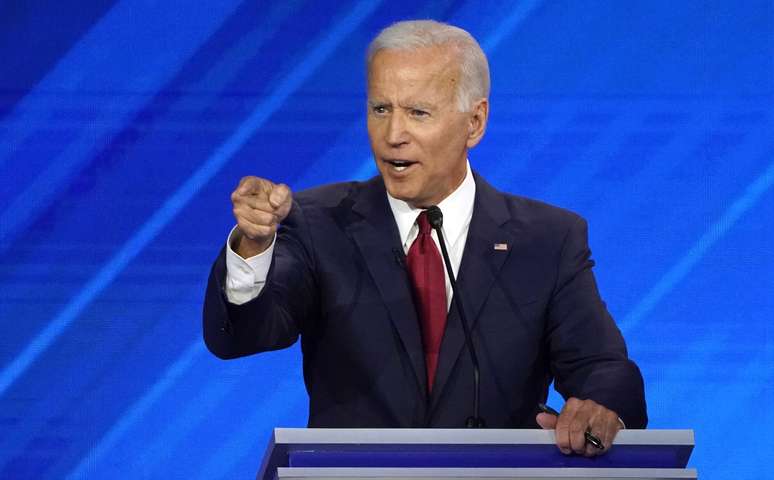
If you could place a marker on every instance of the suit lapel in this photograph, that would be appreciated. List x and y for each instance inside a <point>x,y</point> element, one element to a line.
<point>479,269</point>
<point>374,231</point>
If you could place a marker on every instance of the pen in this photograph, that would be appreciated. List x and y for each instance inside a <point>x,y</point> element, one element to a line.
<point>590,437</point>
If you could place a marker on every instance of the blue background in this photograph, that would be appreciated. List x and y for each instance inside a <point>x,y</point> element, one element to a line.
<point>124,126</point>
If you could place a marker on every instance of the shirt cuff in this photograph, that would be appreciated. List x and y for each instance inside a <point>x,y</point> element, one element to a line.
<point>245,277</point>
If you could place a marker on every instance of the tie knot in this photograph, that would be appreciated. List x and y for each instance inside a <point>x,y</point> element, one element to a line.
<point>423,223</point>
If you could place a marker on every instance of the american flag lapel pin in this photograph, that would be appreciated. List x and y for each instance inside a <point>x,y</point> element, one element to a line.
<point>501,247</point>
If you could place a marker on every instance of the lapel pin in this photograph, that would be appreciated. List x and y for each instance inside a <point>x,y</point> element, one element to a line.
<point>501,247</point>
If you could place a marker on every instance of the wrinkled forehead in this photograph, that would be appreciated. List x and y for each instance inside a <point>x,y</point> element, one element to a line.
<point>419,67</point>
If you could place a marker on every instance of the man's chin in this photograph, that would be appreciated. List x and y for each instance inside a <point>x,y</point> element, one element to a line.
<point>407,195</point>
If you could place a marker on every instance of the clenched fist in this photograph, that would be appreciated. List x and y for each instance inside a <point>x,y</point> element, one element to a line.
<point>259,207</point>
<point>577,418</point>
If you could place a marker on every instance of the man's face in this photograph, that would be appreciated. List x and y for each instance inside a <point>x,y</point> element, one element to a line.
<point>418,136</point>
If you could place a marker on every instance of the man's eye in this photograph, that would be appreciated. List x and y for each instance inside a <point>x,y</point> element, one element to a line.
<point>419,113</point>
<point>379,109</point>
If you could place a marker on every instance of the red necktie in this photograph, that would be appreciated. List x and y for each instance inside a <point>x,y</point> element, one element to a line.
<point>427,277</point>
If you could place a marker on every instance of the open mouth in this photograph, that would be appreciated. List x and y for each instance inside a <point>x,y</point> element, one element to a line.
<point>400,165</point>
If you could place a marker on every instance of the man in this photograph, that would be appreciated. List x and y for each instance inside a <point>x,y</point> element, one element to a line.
<point>354,270</point>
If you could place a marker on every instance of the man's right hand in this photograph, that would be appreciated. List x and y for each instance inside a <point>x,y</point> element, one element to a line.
<point>259,207</point>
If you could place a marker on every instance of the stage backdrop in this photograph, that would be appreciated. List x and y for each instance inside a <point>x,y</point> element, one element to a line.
<point>125,125</point>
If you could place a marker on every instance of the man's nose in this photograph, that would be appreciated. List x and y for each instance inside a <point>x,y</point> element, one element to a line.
<point>396,130</point>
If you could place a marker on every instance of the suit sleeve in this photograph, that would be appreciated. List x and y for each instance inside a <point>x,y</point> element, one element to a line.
<point>588,354</point>
<point>278,315</point>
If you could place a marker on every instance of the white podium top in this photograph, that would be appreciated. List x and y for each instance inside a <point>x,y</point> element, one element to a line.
<point>463,436</point>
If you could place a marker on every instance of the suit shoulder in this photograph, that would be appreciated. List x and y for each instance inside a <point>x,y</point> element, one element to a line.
<point>328,195</point>
<point>532,211</point>
<point>542,225</point>
<point>522,210</point>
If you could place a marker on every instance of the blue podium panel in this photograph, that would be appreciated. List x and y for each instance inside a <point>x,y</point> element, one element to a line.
<point>285,473</point>
<point>319,450</point>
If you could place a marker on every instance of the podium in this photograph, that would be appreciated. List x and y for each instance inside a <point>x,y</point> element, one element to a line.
<point>381,454</point>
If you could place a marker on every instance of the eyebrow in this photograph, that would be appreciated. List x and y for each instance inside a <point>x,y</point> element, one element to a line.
<point>409,104</point>
<point>419,105</point>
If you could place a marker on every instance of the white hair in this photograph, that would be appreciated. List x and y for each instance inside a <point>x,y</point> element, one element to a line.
<point>412,35</point>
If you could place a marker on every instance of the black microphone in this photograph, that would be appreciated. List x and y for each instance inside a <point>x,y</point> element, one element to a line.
<point>435,217</point>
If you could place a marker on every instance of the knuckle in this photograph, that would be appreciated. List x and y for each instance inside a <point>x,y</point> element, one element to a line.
<point>265,218</point>
<point>239,212</point>
<point>577,428</point>
<point>562,423</point>
<point>288,195</point>
<point>573,405</point>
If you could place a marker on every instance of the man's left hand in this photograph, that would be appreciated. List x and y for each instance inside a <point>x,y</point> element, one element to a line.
<point>576,418</point>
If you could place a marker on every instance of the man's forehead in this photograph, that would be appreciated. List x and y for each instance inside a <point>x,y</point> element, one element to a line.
<point>439,58</point>
<point>413,68</point>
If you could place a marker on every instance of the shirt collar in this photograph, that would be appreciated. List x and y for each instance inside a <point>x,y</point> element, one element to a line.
<point>457,211</point>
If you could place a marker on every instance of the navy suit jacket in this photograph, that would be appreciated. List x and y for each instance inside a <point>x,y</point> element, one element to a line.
<point>338,281</point>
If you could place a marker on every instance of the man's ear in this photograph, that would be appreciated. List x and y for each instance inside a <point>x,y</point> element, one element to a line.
<point>477,122</point>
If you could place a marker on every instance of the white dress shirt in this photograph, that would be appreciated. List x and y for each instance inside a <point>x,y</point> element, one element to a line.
<point>245,278</point>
